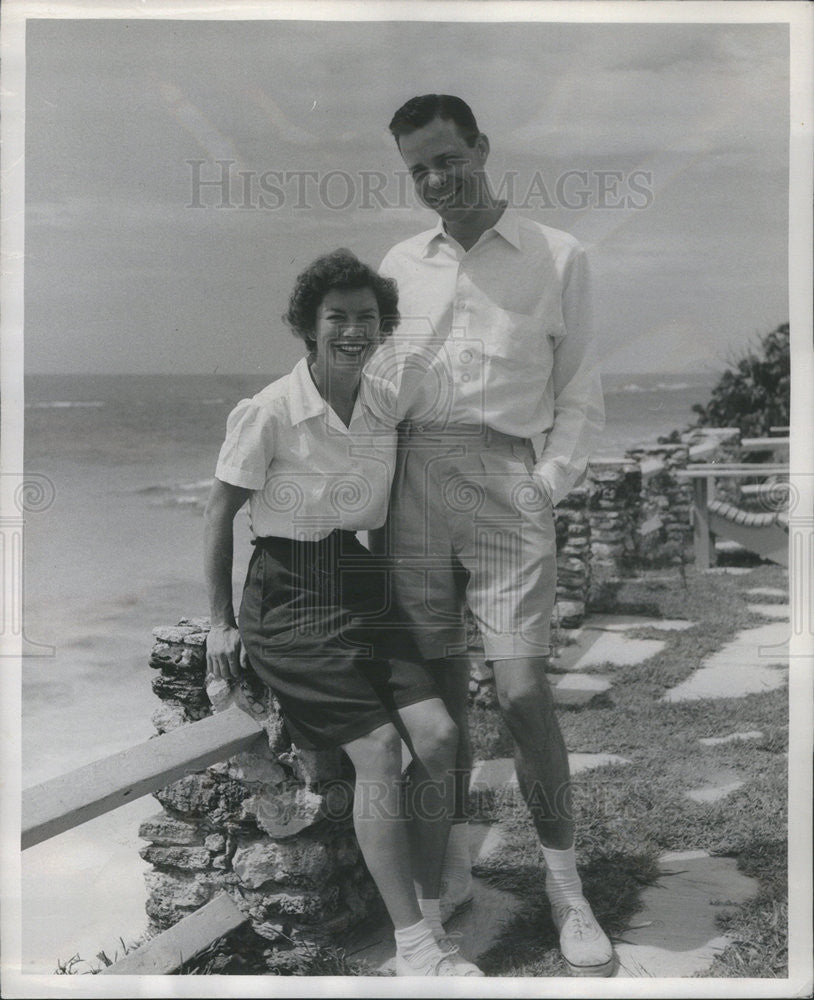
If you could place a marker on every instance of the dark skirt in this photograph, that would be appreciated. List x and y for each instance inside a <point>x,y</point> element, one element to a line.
<point>320,630</point>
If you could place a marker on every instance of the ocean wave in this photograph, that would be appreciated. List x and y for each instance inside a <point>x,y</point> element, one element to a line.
<point>59,404</point>
<point>193,495</point>
<point>200,484</point>
<point>661,387</point>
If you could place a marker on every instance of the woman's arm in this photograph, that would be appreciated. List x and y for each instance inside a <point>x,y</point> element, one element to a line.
<point>224,655</point>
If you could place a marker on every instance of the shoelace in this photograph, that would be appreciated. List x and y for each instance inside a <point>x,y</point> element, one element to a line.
<point>446,943</point>
<point>443,966</point>
<point>579,918</point>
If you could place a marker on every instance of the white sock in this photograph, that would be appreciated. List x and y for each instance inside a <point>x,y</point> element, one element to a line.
<point>431,912</point>
<point>457,868</point>
<point>562,883</point>
<point>417,942</point>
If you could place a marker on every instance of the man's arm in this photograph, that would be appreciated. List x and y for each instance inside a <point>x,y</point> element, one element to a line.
<point>224,655</point>
<point>579,411</point>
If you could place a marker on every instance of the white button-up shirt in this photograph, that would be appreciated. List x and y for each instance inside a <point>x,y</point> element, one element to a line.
<point>307,471</point>
<point>519,357</point>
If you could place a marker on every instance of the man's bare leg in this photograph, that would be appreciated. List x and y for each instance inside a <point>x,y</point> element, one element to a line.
<point>541,761</point>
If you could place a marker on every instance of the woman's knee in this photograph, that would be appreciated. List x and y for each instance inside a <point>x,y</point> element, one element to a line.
<point>436,743</point>
<point>379,752</point>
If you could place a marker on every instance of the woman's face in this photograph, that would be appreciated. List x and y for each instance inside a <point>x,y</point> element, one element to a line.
<point>347,331</point>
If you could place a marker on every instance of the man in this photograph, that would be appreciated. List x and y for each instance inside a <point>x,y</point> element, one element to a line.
<point>471,516</point>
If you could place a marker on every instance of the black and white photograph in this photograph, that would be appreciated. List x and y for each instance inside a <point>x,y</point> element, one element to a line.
<point>407,498</point>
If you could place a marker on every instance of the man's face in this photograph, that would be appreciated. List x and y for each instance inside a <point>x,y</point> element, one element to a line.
<point>446,171</point>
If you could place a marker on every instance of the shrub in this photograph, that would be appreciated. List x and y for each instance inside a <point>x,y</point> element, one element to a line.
<point>753,393</point>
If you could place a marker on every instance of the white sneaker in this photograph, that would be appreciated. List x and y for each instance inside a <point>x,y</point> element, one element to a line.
<point>456,895</point>
<point>447,944</point>
<point>443,961</point>
<point>583,944</point>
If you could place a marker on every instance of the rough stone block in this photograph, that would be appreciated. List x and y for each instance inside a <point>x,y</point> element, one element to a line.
<point>179,688</point>
<point>172,896</point>
<point>215,842</point>
<point>570,614</point>
<point>252,767</point>
<point>303,905</point>
<point>300,862</point>
<point>313,766</point>
<point>174,633</point>
<point>173,658</point>
<point>273,931</point>
<point>202,795</point>
<point>168,716</point>
<point>603,549</point>
<point>284,812</point>
<point>166,830</point>
<point>186,858</point>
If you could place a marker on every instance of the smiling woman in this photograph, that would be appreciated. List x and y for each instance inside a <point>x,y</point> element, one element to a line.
<point>315,459</point>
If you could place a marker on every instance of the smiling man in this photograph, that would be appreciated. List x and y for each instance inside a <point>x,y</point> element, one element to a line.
<point>471,517</point>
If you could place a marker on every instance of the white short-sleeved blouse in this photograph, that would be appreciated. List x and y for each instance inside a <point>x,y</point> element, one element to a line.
<point>309,474</point>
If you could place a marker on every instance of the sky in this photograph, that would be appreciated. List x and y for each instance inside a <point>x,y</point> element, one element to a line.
<point>662,147</point>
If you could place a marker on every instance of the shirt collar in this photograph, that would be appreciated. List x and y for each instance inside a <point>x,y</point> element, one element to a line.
<point>304,398</point>
<point>507,226</point>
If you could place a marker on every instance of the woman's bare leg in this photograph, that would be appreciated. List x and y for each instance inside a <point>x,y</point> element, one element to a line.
<point>379,821</point>
<point>432,739</point>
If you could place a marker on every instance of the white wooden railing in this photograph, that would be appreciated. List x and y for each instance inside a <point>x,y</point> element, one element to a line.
<point>62,803</point>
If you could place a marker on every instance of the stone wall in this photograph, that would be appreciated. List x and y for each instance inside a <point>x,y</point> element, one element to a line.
<point>664,530</point>
<point>272,827</point>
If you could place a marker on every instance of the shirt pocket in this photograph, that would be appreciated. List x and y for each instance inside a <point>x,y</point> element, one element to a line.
<point>517,345</point>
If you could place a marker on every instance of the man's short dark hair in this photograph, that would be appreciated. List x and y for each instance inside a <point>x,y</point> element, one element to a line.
<point>420,111</point>
<point>339,269</point>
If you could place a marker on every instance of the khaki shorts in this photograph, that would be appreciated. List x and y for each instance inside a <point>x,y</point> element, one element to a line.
<point>468,523</point>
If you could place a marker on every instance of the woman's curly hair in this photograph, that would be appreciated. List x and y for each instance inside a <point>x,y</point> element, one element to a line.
<point>339,269</point>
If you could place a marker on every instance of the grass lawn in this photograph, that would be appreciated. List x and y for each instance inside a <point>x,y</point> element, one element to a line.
<point>627,815</point>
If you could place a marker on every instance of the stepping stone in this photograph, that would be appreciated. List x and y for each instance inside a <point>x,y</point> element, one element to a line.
<point>616,648</point>
<point>780,611</point>
<point>619,623</point>
<point>714,741</point>
<point>674,933</point>
<point>712,793</point>
<point>579,762</point>
<point>731,570</point>
<point>768,592</point>
<point>597,642</point>
<point>498,774</point>
<point>493,775</point>
<point>747,665</point>
<point>485,840</point>
<point>576,690</point>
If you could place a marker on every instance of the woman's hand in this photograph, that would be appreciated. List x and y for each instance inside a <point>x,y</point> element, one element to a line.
<point>225,655</point>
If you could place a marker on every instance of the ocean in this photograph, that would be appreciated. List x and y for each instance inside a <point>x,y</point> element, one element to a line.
<point>128,461</point>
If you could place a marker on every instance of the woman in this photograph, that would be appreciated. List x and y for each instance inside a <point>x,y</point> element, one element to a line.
<point>314,459</point>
